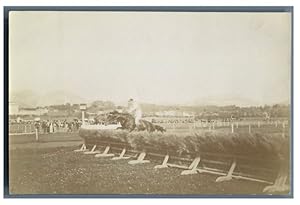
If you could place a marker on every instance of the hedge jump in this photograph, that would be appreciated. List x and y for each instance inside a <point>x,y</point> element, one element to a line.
<point>197,163</point>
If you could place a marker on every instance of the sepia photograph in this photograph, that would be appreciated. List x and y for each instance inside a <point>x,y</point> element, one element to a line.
<point>149,102</point>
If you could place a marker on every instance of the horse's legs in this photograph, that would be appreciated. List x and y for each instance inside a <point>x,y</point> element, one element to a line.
<point>131,129</point>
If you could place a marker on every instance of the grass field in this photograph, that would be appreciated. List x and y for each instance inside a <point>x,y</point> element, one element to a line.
<point>51,167</point>
<point>60,171</point>
<point>14,140</point>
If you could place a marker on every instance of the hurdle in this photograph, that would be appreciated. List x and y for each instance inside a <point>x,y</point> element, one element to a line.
<point>121,156</point>
<point>92,151</point>
<point>82,149</point>
<point>105,153</point>
<point>139,160</point>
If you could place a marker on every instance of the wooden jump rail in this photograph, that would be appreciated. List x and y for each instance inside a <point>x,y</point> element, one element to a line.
<point>279,185</point>
<point>211,154</point>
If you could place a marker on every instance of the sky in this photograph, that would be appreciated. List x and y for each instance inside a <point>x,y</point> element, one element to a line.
<point>155,57</point>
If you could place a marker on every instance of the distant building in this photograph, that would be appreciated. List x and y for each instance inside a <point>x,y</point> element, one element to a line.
<point>42,110</point>
<point>13,108</point>
<point>28,111</point>
<point>173,113</point>
<point>53,112</point>
<point>185,114</point>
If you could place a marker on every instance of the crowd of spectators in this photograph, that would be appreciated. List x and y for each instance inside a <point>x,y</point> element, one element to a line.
<point>52,126</point>
<point>49,126</point>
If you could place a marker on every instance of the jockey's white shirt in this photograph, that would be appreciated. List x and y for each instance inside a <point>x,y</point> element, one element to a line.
<point>135,110</point>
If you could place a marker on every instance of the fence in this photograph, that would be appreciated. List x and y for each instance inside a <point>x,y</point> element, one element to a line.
<point>18,129</point>
<point>21,128</point>
<point>276,126</point>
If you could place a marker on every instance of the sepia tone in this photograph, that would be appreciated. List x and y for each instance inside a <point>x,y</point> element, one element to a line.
<point>158,103</point>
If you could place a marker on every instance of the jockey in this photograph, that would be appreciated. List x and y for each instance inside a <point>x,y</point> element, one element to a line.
<point>135,110</point>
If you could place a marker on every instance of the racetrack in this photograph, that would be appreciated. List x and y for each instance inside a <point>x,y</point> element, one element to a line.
<point>49,169</point>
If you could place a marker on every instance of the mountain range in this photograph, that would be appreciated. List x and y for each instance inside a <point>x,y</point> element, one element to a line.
<point>29,98</point>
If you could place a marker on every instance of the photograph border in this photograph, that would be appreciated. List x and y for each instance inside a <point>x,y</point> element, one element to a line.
<point>8,9</point>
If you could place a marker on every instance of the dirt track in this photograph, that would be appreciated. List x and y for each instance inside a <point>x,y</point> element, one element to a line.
<point>47,168</point>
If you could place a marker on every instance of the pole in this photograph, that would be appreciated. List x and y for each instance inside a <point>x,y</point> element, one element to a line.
<point>249,128</point>
<point>82,115</point>
<point>36,135</point>
<point>232,128</point>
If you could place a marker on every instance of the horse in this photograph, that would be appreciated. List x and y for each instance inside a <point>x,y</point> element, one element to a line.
<point>125,119</point>
<point>127,122</point>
